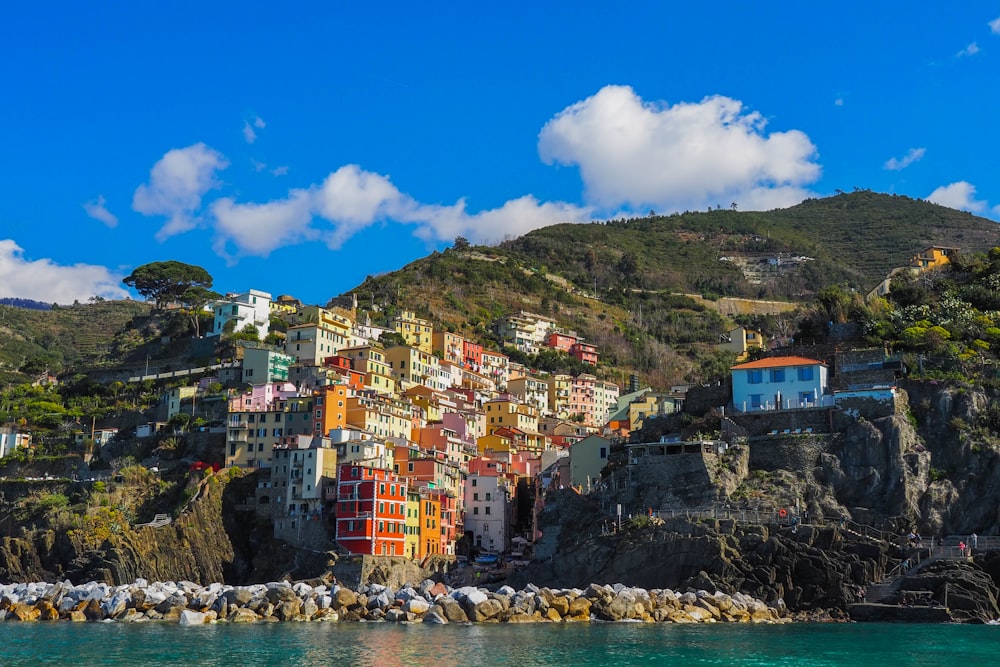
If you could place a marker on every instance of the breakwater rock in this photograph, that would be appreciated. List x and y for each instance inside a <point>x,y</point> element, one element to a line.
<point>433,602</point>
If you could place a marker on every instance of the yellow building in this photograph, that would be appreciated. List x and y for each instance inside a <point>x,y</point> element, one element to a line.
<point>410,365</point>
<point>449,345</point>
<point>559,386</point>
<point>371,361</point>
<point>415,331</point>
<point>411,531</point>
<point>508,412</point>
<point>385,417</point>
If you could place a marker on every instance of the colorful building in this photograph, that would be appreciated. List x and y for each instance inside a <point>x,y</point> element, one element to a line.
<point>371,511</point>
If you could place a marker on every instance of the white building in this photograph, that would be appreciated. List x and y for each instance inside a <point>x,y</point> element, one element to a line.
<point>488,507</point>
<point>780,383</point>
<point>11,440</point>
<point>251,307</point>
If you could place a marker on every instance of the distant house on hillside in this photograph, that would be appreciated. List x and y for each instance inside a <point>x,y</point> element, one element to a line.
<point>932,257</point>
<point>741,340</point>
<point>779,383</point>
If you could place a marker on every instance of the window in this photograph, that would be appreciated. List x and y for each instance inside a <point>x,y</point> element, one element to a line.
<point>474,480</point>
<point>489,496</point>
<point>487,509</point>
<point>756,400</point>
<point>755,377</point>
<point>604,452</point>
<point>475,496</point>
<point>475,510</point>
<point>805,373</point>
<point>805,398</point>
<point>778,375</point>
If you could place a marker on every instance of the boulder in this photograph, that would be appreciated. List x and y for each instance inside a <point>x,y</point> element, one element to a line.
<point>417,606</point>
<point>560,604</point>
<point>486,609</point>
<point>241,615</point>
<point>22,611</point>
<point>289,610</point>
<point>344,598</point>
<point>191,617</point>
<point>452,610</point>
<point>278,594</point>
<point>580,607</point>
<point>395,615</point>
<point>435,617</point>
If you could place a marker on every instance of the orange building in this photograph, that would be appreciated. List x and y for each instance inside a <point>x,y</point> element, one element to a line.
<point>331,408</point>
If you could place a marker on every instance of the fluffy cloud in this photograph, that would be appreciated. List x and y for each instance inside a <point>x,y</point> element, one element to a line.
<point>898,164</point>
<point>98,211</point>
<point>351,199</point>
<point>249,135</point>
<point>515,218</point>
<point>960,195</point>
<point>176,185</point>
<point>44,280</point>
<point>995,26</point>
<point>257,229</point>
<point>631,152</point>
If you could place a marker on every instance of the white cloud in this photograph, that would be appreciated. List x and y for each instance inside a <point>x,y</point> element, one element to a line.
<point>898,164</point>
<point>248,129</point>
<point>257,165</point>
<point>44,280</point>
<point>98,211</point>
<point>959,195</point>
<point>351,199</point>
<point>970,50</point>
<point>515,218</point>
<point>257,229</point>
<point>176,185</point>
<point>280,171</point>
<point>995,25</point>
<point>839,102</point>
<point>675,157</point>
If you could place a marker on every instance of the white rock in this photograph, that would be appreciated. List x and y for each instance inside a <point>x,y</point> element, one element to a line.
<point>189,617</point>
<point>416,606</point>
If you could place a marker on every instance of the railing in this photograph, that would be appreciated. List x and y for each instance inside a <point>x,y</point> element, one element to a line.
<point>158,521</point>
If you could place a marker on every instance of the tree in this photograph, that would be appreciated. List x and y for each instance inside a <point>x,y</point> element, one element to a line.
<point>461,243</point>
<point>194,300</point>
<point>165,282</point>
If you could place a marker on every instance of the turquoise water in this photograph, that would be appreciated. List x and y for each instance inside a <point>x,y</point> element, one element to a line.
<point>579,645</point>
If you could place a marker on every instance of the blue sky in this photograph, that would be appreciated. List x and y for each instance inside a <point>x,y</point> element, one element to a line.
<point>297,150</point>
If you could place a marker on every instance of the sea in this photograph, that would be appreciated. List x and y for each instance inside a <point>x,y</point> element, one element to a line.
<point>579,645</point>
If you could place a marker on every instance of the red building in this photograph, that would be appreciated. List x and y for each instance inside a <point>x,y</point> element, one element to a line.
<point>560,341</point>
<point>585,352</point>
<point>371,510</point>
<point>472,355</point>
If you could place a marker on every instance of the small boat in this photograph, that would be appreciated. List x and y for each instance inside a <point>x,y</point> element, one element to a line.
<point>486,558</point>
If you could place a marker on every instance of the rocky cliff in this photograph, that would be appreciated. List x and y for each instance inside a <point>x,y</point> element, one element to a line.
<point>209,542</point>
<point>808,568</point>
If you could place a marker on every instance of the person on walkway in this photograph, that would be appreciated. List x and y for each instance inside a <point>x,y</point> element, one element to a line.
<point>974,541</point>
<point>961,549</point>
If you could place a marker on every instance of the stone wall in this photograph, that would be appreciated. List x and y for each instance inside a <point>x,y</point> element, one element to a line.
<point>795,452</point>
<point>763,422</point>
<point>699,399</point>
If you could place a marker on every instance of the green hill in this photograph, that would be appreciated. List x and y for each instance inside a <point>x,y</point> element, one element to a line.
<point>639,269</point>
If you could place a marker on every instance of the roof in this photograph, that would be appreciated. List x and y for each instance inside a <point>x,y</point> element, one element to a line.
<point>778,362</point>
